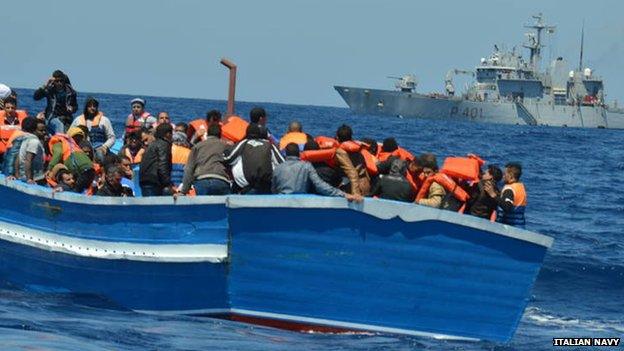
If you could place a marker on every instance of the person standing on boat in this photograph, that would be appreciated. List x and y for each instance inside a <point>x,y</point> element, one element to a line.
<point>294,176</point>
<point>512,200</point>
<point>30,160</point>
<point>435,193</point>
<point>61,102</point>
<point>101,132</point>
<point>206,169</point>
<point>253,160</point>
<point>139,118</point>
<point>155,169</point>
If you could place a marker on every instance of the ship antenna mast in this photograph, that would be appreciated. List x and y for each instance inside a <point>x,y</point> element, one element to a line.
<point>535,40</point>
<point>582,40</point>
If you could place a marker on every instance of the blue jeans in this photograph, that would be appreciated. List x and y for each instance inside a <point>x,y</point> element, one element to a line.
<point>211,186</point>
<point>55,125</point>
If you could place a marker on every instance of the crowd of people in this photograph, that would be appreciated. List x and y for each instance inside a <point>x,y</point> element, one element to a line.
<point>218,156</point>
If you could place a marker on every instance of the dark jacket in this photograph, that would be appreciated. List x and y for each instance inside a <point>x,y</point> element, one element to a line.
<point>108,190</point>
<point>60,103</point>
<point>155,166</point>
<point>252,162</point>
<point>394,185</point>
<point>206,160</point>
<point>481,204</point>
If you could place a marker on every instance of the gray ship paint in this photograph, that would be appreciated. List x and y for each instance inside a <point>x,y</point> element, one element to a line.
<point>507,89</point>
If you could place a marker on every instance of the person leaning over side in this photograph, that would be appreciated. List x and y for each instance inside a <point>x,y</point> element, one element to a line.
<point>155,169</point>
<point>294,176</point>
<point>512,200</point>
<point>206,169</point>
<point>481,203</point>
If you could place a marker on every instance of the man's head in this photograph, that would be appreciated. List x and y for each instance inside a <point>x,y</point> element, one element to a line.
<point>214,130</point>
<point>493,173</point>
<point>163,117</point>
<point>91,107</point>
<point>292,149</point>
<point>133,141</point>
<point>213,116</point>
<point>77,134</point>
<point>87,148</point>
<point>180,139</point>
<point>513,172</point>
<point>41,131</point>
<point>29,125</point>
<point>253,131</point>
<point>389,145</point>
<point>59,79</point>
<point>147,136</point>
<point>181,127</point>
<point>295,127</point>
<point>258,115</point>
<point>10,106</point>
<point>66,177</point>
<point>344,133</point>
<point>138,106</point>
<point>164,131</point>
<point>126,166</point>
<point>114,174</point>
<point>429,164</point>
<point>414,166</point>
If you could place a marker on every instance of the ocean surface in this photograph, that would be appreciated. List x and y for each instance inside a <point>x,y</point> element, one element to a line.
<point>575,194</point>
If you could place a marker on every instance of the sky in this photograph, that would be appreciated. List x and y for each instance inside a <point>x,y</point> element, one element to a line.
<point>287,51</point>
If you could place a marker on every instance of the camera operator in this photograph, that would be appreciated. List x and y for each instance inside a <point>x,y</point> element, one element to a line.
<point>61,98</point>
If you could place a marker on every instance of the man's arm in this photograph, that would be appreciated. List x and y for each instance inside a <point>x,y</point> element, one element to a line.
<point>28,166</point>
<point>436,194</point>
<point>506,200</point>
<point>189,171</point>
<point>40,93</point>
<point>110,134</point>
<point>319,184</point>
<point>344,162</point>
<point>164,164</point>
<point>57,155</point>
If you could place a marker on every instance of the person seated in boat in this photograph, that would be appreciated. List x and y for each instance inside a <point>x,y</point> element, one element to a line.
<point>252,161</point>
<point>436,192</point>
<point>512,199</point>
<point>133,148</point>
<point>155,169</point>
<point>180,150</point>
<point>206,170</point>
<point>200,127</point>
<point>100,130</point>
<point>147,136</point>
<point>481,204</point>
<point>64,147</point>
<point>139,118</point>
<point>181,127</point>
<point>112,183</point>
<point>327,173</point>
<point>258,116</point>
<point>394,185</point>
<point>295,134</point>
<point>128,175</point>
<point>29,163</point>
<point>61,102</point>
<point>163,117</point>
<point>11,116</point>
<point>351,164</point>
<point>65,181</point>
<point>294,176</point>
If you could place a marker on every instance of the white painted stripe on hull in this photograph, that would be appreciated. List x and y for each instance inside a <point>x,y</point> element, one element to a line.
<point>110,250</point>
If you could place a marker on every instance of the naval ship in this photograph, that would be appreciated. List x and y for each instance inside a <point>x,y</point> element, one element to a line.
<point>507,89</point>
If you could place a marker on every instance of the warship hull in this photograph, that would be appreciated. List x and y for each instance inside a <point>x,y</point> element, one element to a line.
<point>442,107</point>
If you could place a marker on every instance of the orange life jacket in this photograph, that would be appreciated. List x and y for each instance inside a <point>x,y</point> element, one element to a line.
<point>68,144</point>
<point>370,161</point>
<point>234,129</point>
<point>322,155</point>
<point>400,153</point>
<point>179,156</point>
<point>415,182</point>
<point>137,158</point>
<point>136,124</point>
<point>196,125</point>
<point>447,183</point>
<point>6,131</point>
<point>326,142</point>
<point>465,168</point>
<point>293,137</point>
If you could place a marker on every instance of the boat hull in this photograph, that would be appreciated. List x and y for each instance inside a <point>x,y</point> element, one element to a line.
<point>531,112</point>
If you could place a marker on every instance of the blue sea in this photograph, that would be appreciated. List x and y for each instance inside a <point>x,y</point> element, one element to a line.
<point>574,183</point>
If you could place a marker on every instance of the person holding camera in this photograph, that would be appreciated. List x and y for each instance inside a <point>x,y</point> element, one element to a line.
<point>61,102</point>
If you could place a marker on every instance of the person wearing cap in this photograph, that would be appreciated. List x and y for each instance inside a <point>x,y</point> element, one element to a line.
<point>63,145</point>
<point>180,150</point>
<point>61,102</point>
<point>139,118</point>
<point>68,152</point>
<point>101,133</point>
<point>5,92</point>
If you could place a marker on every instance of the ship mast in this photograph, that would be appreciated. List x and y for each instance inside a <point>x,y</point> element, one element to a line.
<point>535,40</point>
<point>581,54</point>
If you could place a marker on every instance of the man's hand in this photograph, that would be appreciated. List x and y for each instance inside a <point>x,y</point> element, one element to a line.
<point>30,181</point>
<point>354,198</point>
<point>489,189</point>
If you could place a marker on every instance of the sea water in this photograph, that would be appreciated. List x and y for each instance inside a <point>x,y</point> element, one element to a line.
<point>573,179</point>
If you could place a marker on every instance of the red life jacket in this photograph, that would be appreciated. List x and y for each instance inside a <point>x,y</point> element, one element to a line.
<point>136,124</point>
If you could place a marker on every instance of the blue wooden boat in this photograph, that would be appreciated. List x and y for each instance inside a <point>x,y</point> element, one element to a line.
<point>297,262</point>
